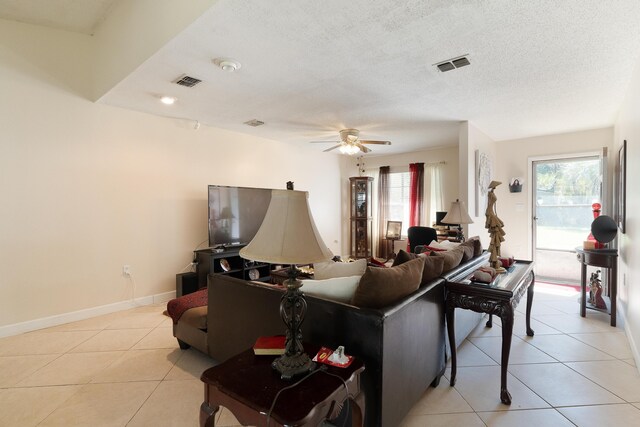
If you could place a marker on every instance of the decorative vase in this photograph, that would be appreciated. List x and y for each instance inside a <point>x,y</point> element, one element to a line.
<point>596,213</point>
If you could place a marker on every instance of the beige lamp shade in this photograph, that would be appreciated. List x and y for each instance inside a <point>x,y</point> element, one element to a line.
<point>457,214</point>
<point>288,234</point>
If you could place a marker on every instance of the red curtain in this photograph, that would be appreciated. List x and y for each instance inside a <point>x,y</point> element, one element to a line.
<point>383,211</point>
<point>416,193</point>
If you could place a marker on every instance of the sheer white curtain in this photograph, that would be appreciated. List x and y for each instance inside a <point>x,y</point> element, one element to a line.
<point>433,200</point>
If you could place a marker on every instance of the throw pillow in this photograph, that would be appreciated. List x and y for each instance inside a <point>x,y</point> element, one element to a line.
<point>432,265</point>
<point>445,245</point>
<point>451,258</point>
<point>375,263</point>
<point>331,269</point>
<point>380,287</point>
<point>477,246</point>
<point>467,248</point>
<point>336,289</point>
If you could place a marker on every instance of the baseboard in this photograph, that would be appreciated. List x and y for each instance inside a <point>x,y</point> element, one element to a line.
<point>74,316</point>
<point>632,344</point>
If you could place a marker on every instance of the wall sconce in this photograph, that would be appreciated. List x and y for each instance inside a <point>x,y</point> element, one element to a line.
<point>515,185</point>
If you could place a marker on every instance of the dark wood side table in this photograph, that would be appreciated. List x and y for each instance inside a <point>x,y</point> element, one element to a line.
<point>604,258</point>
<point>247,385</point>
<point>501,297</point>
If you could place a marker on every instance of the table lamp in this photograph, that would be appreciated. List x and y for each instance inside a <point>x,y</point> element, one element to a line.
<point>288,235</point>
<point>458,215</point>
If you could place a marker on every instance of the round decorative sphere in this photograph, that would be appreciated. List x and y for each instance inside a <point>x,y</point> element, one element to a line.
<point>604,229</point>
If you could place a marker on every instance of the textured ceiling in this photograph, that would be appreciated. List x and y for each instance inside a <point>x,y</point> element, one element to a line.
<point>310,68</point>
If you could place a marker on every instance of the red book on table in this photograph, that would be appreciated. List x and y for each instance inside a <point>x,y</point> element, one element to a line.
<point>273,345</point>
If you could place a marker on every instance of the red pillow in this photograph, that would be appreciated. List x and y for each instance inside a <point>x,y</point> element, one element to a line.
<point>376,263</point>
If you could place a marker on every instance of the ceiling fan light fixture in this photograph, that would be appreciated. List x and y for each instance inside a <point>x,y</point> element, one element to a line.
<point>349,149</point>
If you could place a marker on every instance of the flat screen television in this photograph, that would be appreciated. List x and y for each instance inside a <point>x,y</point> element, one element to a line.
<point>235,214</point>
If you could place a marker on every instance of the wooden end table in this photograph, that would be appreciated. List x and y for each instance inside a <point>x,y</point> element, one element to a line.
<point>605,258</point>
<point>247,385</point>
<point>501,297</point>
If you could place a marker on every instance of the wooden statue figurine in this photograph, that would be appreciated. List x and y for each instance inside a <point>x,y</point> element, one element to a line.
<point>595,291</point>
<point>494,225</point>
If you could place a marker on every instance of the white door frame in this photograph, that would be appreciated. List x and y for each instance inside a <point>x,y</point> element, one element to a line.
<point>530,190</point>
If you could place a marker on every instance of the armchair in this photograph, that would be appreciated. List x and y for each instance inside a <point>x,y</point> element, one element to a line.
<point>420,236</point>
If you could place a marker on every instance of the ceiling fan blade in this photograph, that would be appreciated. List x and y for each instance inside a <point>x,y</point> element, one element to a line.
<point>365,141</point>
<point>324,142</point>
<point>362,147</point>
<point>332,148</point>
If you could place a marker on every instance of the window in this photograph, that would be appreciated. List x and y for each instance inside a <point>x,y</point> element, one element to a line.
<point>399,189</point>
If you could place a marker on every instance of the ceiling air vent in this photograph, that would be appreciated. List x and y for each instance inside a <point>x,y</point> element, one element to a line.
<point>452,64</point>
<point>254,123</point>
<point>187,81</point>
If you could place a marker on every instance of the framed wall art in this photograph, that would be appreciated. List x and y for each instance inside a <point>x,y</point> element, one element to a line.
<point>483,178</point>
<point>621,187</point>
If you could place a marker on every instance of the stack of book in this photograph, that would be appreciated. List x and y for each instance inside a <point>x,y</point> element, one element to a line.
<point>442,231</point>
<point>269,346</point>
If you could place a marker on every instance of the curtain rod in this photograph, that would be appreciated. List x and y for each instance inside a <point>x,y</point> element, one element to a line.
<point>441,162</point>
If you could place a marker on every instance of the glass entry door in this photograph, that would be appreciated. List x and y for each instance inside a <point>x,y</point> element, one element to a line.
<point>563,192</point>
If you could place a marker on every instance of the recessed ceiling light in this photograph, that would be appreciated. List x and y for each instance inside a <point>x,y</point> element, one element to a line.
<point>168,100</point>
<point>227,64</point>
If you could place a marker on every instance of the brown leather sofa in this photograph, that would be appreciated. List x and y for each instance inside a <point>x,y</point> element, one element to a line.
<point>402,345</point>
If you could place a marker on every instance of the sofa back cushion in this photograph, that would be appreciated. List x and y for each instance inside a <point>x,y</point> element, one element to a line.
<point>380,287</point>
<point>467,250</point>
<point>452,258</point>
<point>331,269</point>
<point>337,289</point>
<point>477,246</point>
<point>432,265</point>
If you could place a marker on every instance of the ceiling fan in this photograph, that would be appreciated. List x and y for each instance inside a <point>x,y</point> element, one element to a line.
<point>350,142</point>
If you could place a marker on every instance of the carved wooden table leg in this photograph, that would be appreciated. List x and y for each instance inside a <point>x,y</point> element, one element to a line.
<point>208,415</point>
<point>529,302</point>
<point>489,323</point>
<point>452,336</point>
<point>613,277</point>
<point>583,290</point>
<point>507,329</point>
<point>357,411</point>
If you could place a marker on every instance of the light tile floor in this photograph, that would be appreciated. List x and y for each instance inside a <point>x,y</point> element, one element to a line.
<point>126,369</point>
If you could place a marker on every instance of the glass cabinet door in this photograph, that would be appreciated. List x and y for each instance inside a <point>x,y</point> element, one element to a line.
<point>361,238</point>
<point>361,210</point>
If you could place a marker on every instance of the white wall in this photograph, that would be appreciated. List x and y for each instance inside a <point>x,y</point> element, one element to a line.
<point>87,188</point>
<point>627,127</point>
<point>512,160</point>
<point>471,139</point>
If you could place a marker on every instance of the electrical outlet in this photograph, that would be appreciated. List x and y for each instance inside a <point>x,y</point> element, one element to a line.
<point>126,270</point>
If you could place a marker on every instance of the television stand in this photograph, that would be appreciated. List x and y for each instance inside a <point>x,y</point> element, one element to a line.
<point>229,262</point>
